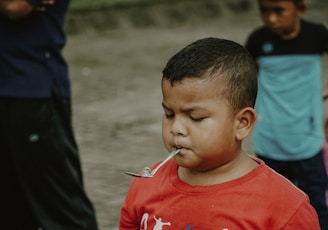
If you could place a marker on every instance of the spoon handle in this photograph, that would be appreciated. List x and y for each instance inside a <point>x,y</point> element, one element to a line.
<point>133,174</point>
<point>172,154</point>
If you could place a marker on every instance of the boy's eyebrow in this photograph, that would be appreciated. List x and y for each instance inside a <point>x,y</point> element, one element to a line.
<point>184,110</point>
<point>164,106</point>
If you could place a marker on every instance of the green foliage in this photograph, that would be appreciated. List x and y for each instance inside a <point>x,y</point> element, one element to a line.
<point>93,4</point>
<point>101,4</point>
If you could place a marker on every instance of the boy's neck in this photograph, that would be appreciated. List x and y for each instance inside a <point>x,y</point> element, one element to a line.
<point>294,33</point>
<point>233,170</point>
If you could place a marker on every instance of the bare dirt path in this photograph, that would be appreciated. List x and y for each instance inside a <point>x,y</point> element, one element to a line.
<point>116,99</point>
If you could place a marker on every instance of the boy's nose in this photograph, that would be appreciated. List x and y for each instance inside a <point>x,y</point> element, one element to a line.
<point>178,128</point>
<point>272,18</point>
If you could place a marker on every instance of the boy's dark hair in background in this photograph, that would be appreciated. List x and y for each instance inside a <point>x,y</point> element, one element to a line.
<point>235,65</point>
<point>288,133</point>
<point>298,3</point>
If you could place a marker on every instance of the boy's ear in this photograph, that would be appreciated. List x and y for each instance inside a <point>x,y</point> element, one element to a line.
<point>245,120</point>
<point>301,7</point>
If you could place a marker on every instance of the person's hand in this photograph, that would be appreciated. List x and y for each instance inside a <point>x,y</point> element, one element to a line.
<point>15,9</point>
<point>18,9</point>
<point>44,5</point>
<point>325,94</point>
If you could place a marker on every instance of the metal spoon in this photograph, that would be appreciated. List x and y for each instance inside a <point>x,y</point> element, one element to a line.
<point>146,172</point>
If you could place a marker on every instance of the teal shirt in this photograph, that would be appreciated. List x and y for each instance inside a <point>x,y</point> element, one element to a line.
<point>289,107</point>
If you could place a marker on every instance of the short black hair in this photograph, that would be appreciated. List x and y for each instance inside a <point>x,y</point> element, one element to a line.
<point>296,2</point>
<point>217,58</point>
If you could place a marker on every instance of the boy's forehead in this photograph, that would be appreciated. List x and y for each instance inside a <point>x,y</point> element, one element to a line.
<point>214,77</point>
<point>202,82</point>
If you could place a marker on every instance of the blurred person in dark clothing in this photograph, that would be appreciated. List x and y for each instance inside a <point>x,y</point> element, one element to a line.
<point>42,182</point>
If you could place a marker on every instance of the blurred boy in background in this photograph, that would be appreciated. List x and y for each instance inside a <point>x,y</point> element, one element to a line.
<point>288,133</point>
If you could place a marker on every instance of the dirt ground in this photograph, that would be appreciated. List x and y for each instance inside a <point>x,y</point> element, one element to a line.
<point>117,99</point>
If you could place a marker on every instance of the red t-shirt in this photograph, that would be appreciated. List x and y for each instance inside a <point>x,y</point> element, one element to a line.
<point>261,199</point>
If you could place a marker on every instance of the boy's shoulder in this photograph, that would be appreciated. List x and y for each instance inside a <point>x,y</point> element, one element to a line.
<point>312,39</point>
<point>306,25</point>
<point>288,193</point>
<point>276,184</point>
<point>310,25</point>
<point>257,32</point>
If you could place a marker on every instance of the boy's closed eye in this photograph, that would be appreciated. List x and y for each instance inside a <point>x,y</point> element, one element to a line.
<point>193,118</point>
<point>275,10</point>
<point>169,115</point>
<point>196,119</point>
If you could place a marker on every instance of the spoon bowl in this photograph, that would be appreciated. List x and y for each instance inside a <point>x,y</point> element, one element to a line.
<point>146,172</point>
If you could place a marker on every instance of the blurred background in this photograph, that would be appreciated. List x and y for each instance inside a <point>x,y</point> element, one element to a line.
<point>116,50</point>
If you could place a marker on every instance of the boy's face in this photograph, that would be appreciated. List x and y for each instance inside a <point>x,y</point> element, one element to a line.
<point>281,17</point>
<point>200,122</point>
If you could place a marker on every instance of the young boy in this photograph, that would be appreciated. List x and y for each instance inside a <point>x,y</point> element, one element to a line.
<point>288,134</point>
<point>209,90</point>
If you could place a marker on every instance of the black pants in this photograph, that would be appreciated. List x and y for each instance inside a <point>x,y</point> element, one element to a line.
<point>310,176</point>
<point>40,169</point>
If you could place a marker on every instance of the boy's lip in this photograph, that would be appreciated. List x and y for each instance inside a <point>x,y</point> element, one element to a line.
<point>178,147</point>
<point>181,149</point>
<point>273,28</point>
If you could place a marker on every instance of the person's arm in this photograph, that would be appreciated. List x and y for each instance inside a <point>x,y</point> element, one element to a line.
<point>17,9</point>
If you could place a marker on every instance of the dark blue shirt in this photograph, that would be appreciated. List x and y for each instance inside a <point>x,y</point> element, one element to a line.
<point>31,62</point>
